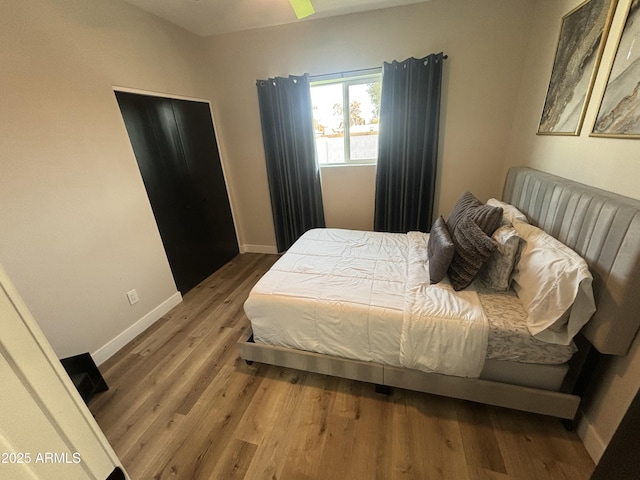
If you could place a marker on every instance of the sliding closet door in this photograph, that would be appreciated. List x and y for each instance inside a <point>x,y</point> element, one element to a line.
<point>175,147</point>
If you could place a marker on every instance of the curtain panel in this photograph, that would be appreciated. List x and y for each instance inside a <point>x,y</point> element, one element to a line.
<point>408,144</point>
<point>289,147</point>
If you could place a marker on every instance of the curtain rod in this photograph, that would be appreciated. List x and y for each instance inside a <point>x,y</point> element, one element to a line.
<point>351,73</point>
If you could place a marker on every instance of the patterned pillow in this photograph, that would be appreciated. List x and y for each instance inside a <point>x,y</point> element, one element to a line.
<point>488,218</point>
<point>473,248</point>
<point>496,272</point>
<point>440,250</point>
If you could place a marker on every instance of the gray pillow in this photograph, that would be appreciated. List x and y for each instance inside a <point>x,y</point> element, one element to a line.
<point>440,250</point>
<point>473,248</point>
<point>496,271</point>
<point>487,217</point>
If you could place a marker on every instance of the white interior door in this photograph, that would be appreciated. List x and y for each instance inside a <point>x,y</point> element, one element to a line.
<point>46,430</point>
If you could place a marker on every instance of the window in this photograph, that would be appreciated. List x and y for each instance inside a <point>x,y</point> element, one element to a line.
<point>346,111</point>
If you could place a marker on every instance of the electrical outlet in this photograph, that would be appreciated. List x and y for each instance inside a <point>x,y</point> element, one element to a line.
<point>132,295</point>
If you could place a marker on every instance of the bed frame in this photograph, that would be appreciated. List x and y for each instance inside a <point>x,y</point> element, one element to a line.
<point>604,228</point>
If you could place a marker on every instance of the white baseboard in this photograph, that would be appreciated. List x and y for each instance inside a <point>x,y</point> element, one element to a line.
<point>592,442</point>
<point>258,249</point>
<point>106,351</point>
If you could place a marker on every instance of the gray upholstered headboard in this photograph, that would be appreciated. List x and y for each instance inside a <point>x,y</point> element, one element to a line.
<point>604,228</point>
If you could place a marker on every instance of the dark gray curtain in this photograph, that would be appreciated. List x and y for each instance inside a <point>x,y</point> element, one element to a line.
<point>408,144</point>
<point>289,147</point>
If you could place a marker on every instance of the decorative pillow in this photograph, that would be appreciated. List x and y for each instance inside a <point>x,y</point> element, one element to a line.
<point>554,285</point>
<point>496,272</point>
<point>510,213</point>
<point>440,250</point>
<point>473,248</point>
<point>488,218</point>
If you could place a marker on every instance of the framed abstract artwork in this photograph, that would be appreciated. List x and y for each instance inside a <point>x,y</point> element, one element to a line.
<point>582,37</point>
<point>619,113</point>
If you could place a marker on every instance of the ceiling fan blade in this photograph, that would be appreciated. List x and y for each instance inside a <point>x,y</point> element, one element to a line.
<point>302,8</point>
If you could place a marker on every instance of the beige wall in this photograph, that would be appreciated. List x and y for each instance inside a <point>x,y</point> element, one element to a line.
<point>486,43</point>
<point>77,228</point>
<point>607,163</point>
<point>348,194</point>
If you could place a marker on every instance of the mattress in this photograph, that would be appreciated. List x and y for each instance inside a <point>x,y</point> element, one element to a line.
<point>362,311</point>
<point>355,280</point>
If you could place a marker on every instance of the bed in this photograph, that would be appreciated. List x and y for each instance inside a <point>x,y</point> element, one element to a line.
<point>365,335</point>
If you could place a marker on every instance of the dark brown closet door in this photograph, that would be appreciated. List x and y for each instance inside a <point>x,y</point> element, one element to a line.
<point>621,460</point>
<point>177,153</point>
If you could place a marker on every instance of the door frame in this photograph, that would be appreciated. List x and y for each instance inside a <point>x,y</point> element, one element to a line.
<point>55,416</point>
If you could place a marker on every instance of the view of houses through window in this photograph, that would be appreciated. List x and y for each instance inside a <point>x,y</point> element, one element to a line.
<point>346,112</point>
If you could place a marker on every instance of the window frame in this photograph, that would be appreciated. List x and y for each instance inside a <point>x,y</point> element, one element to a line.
<point>347,79</point>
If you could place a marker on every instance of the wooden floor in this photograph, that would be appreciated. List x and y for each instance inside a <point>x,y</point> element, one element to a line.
<point>182,404</point>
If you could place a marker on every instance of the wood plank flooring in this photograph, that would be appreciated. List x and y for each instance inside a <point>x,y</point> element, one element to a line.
<point>183,405</point>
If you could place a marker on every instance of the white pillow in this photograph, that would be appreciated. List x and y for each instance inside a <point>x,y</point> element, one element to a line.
<point>497,270</point>
<point>509,212</point>
<point>554,285</point>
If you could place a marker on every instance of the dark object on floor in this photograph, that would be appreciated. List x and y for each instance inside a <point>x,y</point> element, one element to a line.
<point>85,375</point>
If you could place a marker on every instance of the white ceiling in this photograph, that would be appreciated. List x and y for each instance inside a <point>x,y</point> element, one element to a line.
<point>210,17</point>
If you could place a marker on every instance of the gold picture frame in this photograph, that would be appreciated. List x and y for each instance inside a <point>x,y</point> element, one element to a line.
<point>583,34</point>
<point>619,112</point>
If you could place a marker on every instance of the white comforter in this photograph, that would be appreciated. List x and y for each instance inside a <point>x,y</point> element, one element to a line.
<point>366,296</point>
